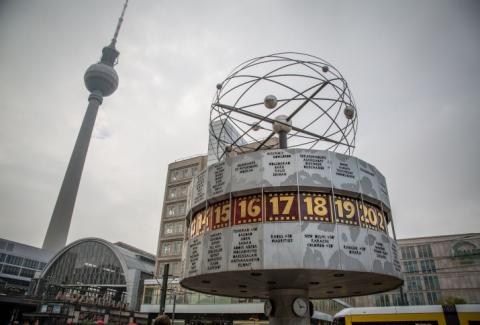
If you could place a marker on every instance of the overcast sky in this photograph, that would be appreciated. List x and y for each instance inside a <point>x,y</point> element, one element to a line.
<point>413,67</point>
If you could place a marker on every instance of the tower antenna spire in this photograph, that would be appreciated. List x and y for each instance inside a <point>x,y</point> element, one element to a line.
<point>110,53</point>
<point>119,24</point>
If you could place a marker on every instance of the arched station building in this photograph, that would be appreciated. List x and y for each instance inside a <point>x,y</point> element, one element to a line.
<point>106,277</point>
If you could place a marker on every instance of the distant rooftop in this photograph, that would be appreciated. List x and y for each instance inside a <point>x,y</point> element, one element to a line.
<point>24,250</point>
<point>134,249</point>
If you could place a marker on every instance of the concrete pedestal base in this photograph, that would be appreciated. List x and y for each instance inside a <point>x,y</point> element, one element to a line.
<point>282,300</point>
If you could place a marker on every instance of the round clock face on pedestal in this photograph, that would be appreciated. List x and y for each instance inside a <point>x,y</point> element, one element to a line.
<point>300,307</point>
<point>268,308</point>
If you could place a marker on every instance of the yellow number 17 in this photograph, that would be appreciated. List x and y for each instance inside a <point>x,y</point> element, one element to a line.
<point>275,204</point>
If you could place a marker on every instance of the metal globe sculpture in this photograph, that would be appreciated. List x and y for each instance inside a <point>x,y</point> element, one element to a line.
<point>309,91</point>
<point>287,213</point>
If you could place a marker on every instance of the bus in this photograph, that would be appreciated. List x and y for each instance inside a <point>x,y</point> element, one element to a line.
<point>410,315</point>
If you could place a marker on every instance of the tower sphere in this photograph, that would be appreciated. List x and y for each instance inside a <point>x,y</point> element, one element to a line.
<point>101,77</point>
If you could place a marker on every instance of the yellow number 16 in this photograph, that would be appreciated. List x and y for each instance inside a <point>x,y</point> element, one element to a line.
<point>252,208</point>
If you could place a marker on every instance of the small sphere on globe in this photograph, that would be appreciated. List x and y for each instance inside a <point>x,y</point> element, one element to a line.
<point>270,101</point>
<point>219,86</point>
<point>349,112</point>
<point>325,69</point>
<point>101,77</point>
<point>285,125</point>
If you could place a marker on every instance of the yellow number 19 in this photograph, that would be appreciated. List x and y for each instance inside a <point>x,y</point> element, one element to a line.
<point>346,205</point>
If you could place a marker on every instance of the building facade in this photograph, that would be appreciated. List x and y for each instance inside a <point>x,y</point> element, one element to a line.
<point>18,264</point>
<point>173,218</point>
<point>435,269</point>
<point>221,134</point>
<point>173,222</point>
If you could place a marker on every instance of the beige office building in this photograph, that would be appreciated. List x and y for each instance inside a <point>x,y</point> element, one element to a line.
<point>435,268</point>
<point>179,176</point>
<point>172,222</point>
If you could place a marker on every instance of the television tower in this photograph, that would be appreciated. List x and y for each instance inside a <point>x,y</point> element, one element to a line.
<point>101,80</point>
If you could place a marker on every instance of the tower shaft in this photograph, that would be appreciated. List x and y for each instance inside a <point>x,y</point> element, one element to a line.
<point>57,232</point>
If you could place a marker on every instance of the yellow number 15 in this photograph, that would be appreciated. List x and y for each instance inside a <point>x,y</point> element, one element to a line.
<point>222,213</point>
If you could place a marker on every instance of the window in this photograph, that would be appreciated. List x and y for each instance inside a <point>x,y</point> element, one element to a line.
<point>186,172</point>
<point>174,268</point>
<point>416,299</point>
<point>2,257</point>
<point>432,298</point>
<point>42,265</point>
<point>408,253</point>
<point>173,228</point>
<point>172,193</point>
<point>431,282</point>
<point>30,263</point>
<point>177,192</point>
<point>176,209</point>
<point>182,208</point>
<point>410,266</point>
<point>182,191</point>
<point>171,248</point>
<point>8,269</point>
<point>397,299</point>
<point>15,260</point>
<point>424,251</point>
<point>414,283</point>
<point>181,174</point>
<point>428,266</point>
<point>174,175</point>
<point>148,295</point>
<point>171,210</point>
<point>27,273</point>
<point>382,300</point>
